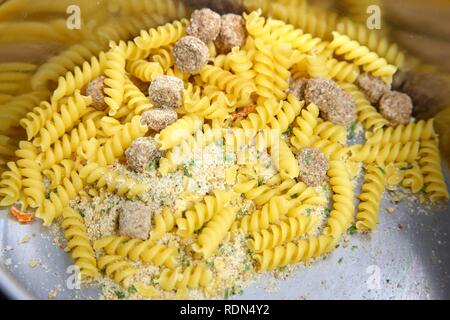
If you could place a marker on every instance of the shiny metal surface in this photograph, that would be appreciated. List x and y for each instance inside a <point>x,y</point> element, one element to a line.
<point>409,252</point>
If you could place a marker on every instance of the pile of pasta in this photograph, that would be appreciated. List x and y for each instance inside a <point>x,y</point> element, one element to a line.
<point>72,144</point>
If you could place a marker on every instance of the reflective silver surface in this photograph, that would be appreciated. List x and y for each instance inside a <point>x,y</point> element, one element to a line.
<point>407,257</point>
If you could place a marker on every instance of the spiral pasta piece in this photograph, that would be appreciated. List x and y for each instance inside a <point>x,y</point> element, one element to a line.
<point>413,178</point>
<point>371,193</point>
<point>316,66</point>
<point>69,114</point>
<point>115,79</point>
<point>373,40</point>
<point>264,69</point>
<point>68,144</point>
<point>362,56</point>
<point>79,78</point>
<point>145,70</point>
<point>389,153</point>
<point>214,232</point>
<point>161,36</point>
<point>282,233</point>
<point>366,113</point>
<point>120,270</point>
<point>241,64</point>
<point>343,208</point>
<point>135,99</point>
<point>284,160</point>
<point>286,116</point>
<point>215,108</point>
<point>115,146</point>
<point>162,223</point>
<point>271,212</point>
<point>225,80</point>
<point>419,131</point>
<point>10,185</point>
<point>112,181</point>
<point>36,119</point>
<point>342,71</point>
<point>192,277</point>
<point>178,131</point>
<point>57,172</point>
<point>262,116</point>
<point>329,131</point>
<point>79,244</point>
<point>52,207</point>
<point>292,253</point>
<point>202,212</point>
<point>430,165</point>
<point>136,249</point>
<point>304,127</point>
<point>164,57</point>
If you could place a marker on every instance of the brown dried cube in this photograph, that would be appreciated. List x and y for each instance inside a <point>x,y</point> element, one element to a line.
<point>297,88</point>
<point>396,107</point>
<point>141,152</point>
<point>191,54</point>
<point>232,33</point>
<point>313,166</point>
<point>204,24</point>
<point>157,119</point>
<point>373,87</point>
<point>95,90</point>
<point>135,220</point>
<point>166,92</point>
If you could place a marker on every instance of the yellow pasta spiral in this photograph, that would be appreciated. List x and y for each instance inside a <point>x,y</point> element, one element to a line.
<point>278,234</point>
<point>225,80</point>
<point>136,249</point>
<point>68,144</point>
<point>385,154</point>
<point>162,223</point>
<point>241,64</point>
<point>135,99</point>
<point>342,71</point>
<point>178,131</point>
<point>112,181</point>
<point>304,127</point>
<point>329,131</point>
<point>161,36</point>
<point>79,78</point>
<point>10,185</point>
<point>164,57</point>
<point>264,69</point>
<point>430,165</point>
<point>292,253</point>
<point>419,131</point>
<point>214,232</point>
<point>78,243</point>
<point>342,212</point>
<point>115,79</point>
<point>57,172</point>
<point>35,120</point>
<point>316,66</point>
<point>52,207</point>
<point>284,160</point>
<point>286,116</point>
<point>366,113</point>
<point>192,277</point>
<point>145,70</point>
<point>202,212</point>
<point>117,268</point>
<point>371,192</point>
<point>362,56</point>
<point>69,114</point>
<point>413,178</point>
<point>263,115</point>
<point>271,212</point>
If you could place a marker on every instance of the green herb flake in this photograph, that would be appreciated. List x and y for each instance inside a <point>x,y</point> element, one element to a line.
<point>354,248</point>
<point>246,267</point>
<point>352,229</point>
<point>282,269</point>
<point>288,131</point>
<point>260,182</point>
<point>120,294</point>
<point>152,165</point>
<point>326,212</point>
<point>227,293</point>
<point>191,162</point>
<point>308,159</point>
<point>132,289</point>
<point>337,246</point>
<point>352,130</point>
<point>308,211</point>
<point>382,170</point>
<point>340,260</point>
<point>295,195</point>
<point>186,172</point>
<point>81,212</point>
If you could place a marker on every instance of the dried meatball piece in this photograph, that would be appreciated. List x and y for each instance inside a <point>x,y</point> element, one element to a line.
<point>191,54</point>
<point>232,33</point>
<point>344,114</point>
<point>141,152</point>
<point>427,91</point>
<point>324,93</point>
<point>166,92</point>
<point>204,24</point>
<point>373,87</point>
<point>313,166</point>
<point>135,220</point>
<point>95,90</point>
<point>396,107</point>
<point>157,119</point>
<point>297,88</point>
